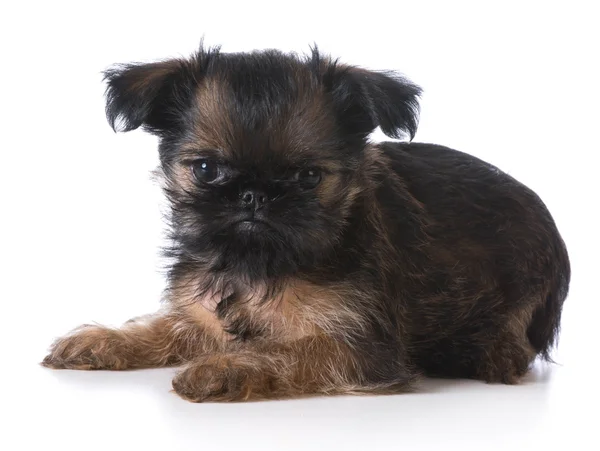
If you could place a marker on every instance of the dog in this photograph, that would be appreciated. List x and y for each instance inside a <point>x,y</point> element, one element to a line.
<point>308,260</point>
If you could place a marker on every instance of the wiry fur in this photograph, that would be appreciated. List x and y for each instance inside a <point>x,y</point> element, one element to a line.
<point>405,259</point>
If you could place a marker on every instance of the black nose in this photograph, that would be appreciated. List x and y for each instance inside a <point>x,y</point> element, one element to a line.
<point>253,198</point>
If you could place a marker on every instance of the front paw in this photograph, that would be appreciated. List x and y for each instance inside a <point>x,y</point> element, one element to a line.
<point>226,378</point>
<point>85,348</point>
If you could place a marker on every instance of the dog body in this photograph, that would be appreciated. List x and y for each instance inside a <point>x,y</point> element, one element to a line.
<point>308,260</point>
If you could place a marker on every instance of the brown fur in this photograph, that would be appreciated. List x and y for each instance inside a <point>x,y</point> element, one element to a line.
<point>163,339</point>
<point>295,356</point>
<point>404,259</point>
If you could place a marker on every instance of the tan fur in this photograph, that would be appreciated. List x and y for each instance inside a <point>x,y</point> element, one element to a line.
<point>311,365</point>
<point>302,310</point>
<point>154,72</point>
<point>402,259</point>
<point>298,355</point>
<point>162,339</point>
<point>213,126</point>
<point>184,297</point>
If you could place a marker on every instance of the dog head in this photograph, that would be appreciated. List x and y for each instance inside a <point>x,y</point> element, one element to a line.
<point>262,152</point>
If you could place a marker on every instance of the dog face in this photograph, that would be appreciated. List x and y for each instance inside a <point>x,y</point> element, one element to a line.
<point>263,153</point>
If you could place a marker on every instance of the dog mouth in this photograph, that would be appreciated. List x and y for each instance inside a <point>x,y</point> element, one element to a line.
<point>251,225</point>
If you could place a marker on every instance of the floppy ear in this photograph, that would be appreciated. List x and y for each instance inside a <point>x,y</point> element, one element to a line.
<point>152,95</point>
<point>366,100</point>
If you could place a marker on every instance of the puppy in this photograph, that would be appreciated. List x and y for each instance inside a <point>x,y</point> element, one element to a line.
<point>307,260</point>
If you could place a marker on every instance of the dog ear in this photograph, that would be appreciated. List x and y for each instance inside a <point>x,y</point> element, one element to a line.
<point>152,95</point>
<point>365,100</point>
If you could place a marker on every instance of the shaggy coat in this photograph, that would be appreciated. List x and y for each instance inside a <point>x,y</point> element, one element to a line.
<point>308,260</point>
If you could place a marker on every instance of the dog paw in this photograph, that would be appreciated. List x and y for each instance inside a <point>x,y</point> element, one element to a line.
<point>85,348</point>
<point>225,378</point>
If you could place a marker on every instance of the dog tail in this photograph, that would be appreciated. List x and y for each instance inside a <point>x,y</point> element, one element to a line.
<point>544,328</point>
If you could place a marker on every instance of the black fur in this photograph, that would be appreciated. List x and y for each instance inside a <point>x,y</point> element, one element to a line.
<point>445,254</point>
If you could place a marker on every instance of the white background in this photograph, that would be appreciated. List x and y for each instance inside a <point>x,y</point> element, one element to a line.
<point>515,84</point>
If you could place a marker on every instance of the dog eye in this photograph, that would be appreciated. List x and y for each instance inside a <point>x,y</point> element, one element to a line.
<point>309,177</point>
<point>206,171</point>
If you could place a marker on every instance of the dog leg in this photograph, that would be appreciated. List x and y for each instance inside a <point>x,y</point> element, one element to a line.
<point>158,340</point>
<point>308,366</point>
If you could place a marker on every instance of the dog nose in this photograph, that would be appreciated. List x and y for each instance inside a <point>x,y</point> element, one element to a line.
<point>253,198</point>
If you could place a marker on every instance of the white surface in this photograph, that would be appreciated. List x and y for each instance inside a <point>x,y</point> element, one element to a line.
<point>515,84</point>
